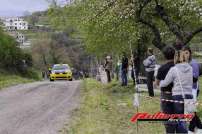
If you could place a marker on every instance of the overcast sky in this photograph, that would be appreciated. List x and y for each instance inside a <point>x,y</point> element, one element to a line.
<point>18,7</point>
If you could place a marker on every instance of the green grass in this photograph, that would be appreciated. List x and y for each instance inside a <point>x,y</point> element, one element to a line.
<point>107,109</point>
<point>200,99</point>
<point>12,79</point>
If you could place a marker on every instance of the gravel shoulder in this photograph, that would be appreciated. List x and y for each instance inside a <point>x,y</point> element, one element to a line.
<point>37,108</point>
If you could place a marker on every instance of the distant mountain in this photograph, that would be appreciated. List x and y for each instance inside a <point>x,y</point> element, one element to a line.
<point>11,13</point>
<point>15,13</point>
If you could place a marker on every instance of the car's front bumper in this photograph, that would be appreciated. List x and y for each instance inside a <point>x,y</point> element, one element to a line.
<point>61,76</point>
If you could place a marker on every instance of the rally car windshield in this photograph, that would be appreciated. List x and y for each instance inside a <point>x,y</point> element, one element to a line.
<point>60,68</point>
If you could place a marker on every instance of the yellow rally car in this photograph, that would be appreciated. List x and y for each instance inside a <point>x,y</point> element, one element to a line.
<point>61,72</point>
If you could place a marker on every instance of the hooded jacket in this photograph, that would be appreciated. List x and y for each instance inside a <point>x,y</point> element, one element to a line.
<point>150,63</point>
<point>183,73</point>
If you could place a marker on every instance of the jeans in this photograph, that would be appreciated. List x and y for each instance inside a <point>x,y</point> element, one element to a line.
<point>124,77</point>
<point>108,75</point>
<point>167,108</point>
<point>180,126</point>
<point>150,79</point>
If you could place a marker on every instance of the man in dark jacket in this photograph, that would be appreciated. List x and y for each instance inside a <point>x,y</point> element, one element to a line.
<point>166,92</point>
<point>135,67</point>
<point>108,67</point>
<point>124,70</point>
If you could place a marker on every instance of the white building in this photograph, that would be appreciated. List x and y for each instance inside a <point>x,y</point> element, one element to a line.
<point>15,24</point>
<point>21,39</point>
<point>26,44</point>
<point>18,36</point>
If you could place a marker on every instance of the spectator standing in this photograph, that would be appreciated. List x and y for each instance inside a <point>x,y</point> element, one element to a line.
<point>166,92</point>
<point>108,67</point>
<point>181,77</point>
<point>117,69</point>
<point>43,73</point>
<point>149,64</point>
<point>135,67</point>
<point>124,70</point>
<point>196,122</point>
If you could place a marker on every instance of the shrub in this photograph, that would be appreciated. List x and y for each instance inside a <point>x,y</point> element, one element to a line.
<point>31,73</point>
<point>12,58</point>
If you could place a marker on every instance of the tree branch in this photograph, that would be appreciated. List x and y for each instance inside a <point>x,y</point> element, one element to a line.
<point>110,4</point>
<point>183,38</point>
<point>191,35</point>
<point>173,27</point>
<point>157,37</point>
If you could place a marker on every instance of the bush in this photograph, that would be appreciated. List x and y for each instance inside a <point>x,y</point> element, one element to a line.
<point>31,73</point>
<point>12,58</point>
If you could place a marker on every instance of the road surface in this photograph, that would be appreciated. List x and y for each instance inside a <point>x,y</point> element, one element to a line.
<point>37,108</point>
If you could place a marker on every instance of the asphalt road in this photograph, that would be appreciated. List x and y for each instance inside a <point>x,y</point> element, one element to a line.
<point>37,108</point>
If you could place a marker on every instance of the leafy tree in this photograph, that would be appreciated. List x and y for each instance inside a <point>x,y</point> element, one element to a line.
<point>56,48</point>
<point>11,56</point>
<point>112,26</point>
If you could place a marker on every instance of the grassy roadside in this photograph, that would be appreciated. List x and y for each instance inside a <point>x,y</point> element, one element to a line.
<point>107,109</point>
<point>200,99</point>
<point>12,79</point>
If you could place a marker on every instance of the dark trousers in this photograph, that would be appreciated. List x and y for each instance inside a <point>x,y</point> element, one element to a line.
<point>137,75</point>
<point>195,122</point>
<point>167,108</point>
<point>134,75</point>
<point>150,78</point>
<point>124,77</point>
<point>108,75</point>
<point>117,75</point>
<point>180,126</point>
